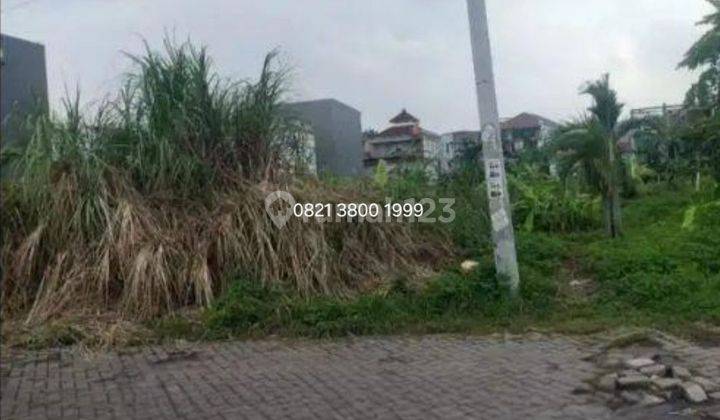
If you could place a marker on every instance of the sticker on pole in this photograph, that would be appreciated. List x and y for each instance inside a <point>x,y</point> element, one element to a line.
<point>494,169</point>
<point>495,189</point>
<point>488,136</point>
<point>499,220</point>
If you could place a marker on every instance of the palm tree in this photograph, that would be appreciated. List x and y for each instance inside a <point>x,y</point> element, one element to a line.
<point>588,148</point>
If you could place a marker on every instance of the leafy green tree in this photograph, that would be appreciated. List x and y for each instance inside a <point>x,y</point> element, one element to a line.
<point>540,158</point>
<point>468,164</point>
<point>660,147</point>
<point>588,148</point>
<point>702,138</point>
<point>703,98</point>
<point>705,55</point>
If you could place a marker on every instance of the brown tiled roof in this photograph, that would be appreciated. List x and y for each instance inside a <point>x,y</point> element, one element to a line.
<point>404,117</point>
<point>403,130</point>
<point>525,120</point>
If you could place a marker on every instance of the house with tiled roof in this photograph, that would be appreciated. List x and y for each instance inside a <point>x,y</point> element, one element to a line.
<point>525,130</point>
<point>403,141</point>
<point>404,117</point>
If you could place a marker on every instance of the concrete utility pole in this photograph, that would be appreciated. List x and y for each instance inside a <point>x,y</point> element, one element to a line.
<point>502,229</point>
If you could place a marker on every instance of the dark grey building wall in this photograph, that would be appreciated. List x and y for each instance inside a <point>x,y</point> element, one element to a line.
<point>23,80</point>
<point>338,135</point>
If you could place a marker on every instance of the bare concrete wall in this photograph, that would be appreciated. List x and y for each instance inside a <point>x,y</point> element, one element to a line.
<point>338,135</point>
<point>23,80</point>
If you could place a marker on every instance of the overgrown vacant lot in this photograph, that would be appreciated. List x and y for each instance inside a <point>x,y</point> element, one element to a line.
<point>659,275</point>
<point>663,274</point>
<point>152,204</point>
<point>145,221</point>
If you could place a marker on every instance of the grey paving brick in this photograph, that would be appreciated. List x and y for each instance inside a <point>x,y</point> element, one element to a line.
<point>443,377</point>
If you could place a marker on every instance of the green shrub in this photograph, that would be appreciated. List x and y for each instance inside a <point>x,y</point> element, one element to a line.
<point>251,308</point>
<point>367,314</point>
<point>462,294</point>
<point>248,305</point>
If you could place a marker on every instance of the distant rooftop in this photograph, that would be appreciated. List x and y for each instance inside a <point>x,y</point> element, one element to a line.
<point>404,117</point>
<point>655,111</point>
<point>463,133</point>
<point>323,101</point>
<point>525,120</point>
<point>14,38</point>
<point>398,131</point>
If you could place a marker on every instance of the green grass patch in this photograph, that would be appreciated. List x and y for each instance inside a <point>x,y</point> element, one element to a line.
<point>453,299</point>
<point>659,268</point>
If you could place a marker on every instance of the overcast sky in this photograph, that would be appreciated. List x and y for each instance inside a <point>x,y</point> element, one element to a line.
<point>382,55</point>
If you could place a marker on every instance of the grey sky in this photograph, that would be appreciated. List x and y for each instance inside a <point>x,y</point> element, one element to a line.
<point>382,55</point>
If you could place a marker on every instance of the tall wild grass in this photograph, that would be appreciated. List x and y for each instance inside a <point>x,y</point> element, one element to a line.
<point>150,202</point>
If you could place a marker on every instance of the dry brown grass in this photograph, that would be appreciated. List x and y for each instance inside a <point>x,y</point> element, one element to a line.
<point>148,256</point>
<point>87,332</point>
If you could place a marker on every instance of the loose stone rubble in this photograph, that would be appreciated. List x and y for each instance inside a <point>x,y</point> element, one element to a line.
<point>655,369</point>
<point>666,384</point>
<point>607,382</point>
<point>633,381</point>
<point>706,384</point>
<point>693,392</point>
<point>646,382</point>
<point>680,372</point>
<point>639,363</point>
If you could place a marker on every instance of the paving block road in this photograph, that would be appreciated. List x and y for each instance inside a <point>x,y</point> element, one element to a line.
<point>406,377</point>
